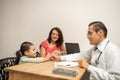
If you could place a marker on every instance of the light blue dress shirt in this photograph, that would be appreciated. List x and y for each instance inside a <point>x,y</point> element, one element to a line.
<point>108,67</point>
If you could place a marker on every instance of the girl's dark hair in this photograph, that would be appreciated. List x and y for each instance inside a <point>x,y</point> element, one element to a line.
<point>99,25</point>
<point>25,46</point>
<point>60,40</point>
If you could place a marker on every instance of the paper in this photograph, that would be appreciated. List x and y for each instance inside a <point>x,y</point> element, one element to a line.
<point>66,63</point>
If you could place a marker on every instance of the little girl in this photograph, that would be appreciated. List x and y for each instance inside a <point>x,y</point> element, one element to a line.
<point>27,53</point>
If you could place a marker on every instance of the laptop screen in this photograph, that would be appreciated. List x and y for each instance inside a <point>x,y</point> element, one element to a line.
<point>72,48</point>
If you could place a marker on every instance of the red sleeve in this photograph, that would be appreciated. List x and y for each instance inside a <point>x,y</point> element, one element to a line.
<point>44,44</point>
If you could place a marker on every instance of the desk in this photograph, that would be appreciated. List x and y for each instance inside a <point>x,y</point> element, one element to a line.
<point>39,71</point>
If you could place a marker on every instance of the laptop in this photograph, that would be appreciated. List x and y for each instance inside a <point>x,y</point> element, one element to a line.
<point>72,48</point>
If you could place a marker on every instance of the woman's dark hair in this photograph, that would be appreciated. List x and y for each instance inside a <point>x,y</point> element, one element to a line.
<point>99,25</point>
<point>60,40</point>
<point>25,46</point>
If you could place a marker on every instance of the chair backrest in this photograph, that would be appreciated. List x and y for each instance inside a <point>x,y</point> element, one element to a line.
<point>72,48</point>
<point>6,62</point>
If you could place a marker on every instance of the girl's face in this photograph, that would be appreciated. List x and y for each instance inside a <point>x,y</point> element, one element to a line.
<point>54,35</point>
<point>31,52</point>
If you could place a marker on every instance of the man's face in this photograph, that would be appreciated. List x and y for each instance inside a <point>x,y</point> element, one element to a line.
<point>93,36</point>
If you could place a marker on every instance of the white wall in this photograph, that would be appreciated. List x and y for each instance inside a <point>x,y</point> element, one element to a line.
<point>31,20</point>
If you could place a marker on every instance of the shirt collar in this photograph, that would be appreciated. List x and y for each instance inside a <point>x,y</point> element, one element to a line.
<point>101,46</point>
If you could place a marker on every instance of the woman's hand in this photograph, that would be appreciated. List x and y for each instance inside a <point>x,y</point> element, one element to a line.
<point>55,57</point>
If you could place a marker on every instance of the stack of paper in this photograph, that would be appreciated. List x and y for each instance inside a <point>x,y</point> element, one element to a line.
<point>66,63</point>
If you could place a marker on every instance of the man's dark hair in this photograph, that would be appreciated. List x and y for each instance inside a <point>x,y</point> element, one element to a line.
<point>99,25</point>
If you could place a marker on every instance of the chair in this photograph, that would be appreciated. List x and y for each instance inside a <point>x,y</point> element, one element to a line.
<point>6,62</point>
<point>72,48</point>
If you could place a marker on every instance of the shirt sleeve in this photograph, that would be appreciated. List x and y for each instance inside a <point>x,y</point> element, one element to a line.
<point>44,44</point>
<point>26,59</point>
<point>100,74</point>
<point>112,71</point>
<point>77,56</point>
<point>71,57</point>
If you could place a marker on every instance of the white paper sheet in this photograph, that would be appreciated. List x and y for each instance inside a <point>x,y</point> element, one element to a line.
<point>66,63</point>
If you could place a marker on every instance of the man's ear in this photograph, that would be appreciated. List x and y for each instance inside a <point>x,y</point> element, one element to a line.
<point>100,32</point>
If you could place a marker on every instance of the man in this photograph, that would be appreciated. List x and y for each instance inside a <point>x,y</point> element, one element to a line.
<point>102,61</point>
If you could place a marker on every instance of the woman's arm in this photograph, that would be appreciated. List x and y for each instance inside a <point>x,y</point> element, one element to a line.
<point>42,51</point>
<point>63,49</point>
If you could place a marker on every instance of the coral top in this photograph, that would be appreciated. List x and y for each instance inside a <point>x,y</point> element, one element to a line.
<point>49,49</point>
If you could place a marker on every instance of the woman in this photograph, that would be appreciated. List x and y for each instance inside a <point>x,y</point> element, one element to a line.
<point>54,43</point>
